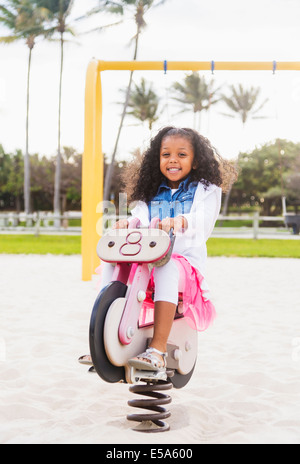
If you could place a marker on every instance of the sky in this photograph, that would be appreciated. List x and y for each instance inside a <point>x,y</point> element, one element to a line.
<point>178,30</point>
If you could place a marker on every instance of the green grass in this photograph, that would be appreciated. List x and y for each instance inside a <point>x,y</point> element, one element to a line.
<point>69,245</point>
<point>253,248</point>
<point>41,245</point>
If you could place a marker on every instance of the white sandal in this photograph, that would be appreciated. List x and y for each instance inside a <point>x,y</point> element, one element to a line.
<point>154,363</point>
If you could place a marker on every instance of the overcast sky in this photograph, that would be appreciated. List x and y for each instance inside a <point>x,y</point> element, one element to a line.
<point>180,30</point>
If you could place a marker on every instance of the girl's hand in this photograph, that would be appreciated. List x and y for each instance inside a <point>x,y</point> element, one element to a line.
<point>122,224</point>
<point>178,223</point>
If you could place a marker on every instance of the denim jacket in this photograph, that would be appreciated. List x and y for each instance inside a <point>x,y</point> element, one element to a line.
<point>164,204</point>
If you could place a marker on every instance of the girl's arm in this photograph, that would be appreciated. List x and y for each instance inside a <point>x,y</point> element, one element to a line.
<point>179,224</point>
<point>204,213</point>
<point>122,224</point>
<point>140,212</point>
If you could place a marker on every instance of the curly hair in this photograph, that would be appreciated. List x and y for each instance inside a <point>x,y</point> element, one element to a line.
<point>143,177</point>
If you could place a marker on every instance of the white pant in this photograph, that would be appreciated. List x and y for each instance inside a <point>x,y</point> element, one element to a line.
<point>166,280</point>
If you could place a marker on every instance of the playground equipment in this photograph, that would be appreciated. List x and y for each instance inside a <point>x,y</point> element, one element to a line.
<point>120,324</point>
<point>92,174</point>
<point>123,316</point>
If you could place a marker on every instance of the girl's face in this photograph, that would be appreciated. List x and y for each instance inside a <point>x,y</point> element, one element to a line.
<point>176,159</point>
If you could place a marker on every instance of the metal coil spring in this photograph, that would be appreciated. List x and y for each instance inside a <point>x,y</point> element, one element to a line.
<point>151,422</point>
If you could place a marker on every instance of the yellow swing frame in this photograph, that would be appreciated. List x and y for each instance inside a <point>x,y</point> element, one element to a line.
<point>92,163</point>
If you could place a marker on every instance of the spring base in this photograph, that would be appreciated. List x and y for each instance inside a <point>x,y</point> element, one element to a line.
<point>153,422</point>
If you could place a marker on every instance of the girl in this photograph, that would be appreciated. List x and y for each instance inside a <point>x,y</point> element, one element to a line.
<point>178,181</point>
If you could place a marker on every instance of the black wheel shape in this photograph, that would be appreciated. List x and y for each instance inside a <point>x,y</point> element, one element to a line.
<point>180,380</point>
<point>103,366</point>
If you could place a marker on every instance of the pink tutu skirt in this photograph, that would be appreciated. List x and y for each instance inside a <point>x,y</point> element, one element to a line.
<point>198,310</point>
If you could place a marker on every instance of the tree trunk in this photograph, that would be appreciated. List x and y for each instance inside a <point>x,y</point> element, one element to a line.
<point>226,202</point>
<point>110,169</point>
<point>26,157</point>
<point>57,207</point>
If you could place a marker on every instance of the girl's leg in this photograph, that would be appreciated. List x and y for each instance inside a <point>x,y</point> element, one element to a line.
<point>107,271</point>
<point>163,321</point>
<point>166,299</point>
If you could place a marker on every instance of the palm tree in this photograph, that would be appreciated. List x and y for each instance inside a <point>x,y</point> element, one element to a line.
<point>243,104</point>
<point>196,94</point>
<point>144,103</point>
<point>59,10</point>
<point>139,8</point>
<point>26,23</point>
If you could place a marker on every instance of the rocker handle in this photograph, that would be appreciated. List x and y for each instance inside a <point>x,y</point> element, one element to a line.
<point>134,223</point>
<point>154,223</point>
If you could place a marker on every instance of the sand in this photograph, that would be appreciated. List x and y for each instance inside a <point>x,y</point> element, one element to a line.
<point>245,388</point>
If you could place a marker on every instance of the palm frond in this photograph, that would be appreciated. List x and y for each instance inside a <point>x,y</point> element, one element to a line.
<point>9,39</point>
<point>114,9</point>
<point>7,14</point>
<point>161,2</point>
<point>261,106</point>
<point>261,117</point>
<point>227,115</point>
<point>101,28</point>
<point>68,9</point>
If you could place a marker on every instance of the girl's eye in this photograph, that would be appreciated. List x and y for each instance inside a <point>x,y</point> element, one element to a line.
<point>165,154</point>
<point>182,154</point>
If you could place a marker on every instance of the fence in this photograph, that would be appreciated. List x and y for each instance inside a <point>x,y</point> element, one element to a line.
<point>255,230</point>
<point>40,222</point>
<point>47,222</point>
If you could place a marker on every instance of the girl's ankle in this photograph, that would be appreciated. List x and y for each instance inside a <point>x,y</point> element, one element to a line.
<point>158,347</point>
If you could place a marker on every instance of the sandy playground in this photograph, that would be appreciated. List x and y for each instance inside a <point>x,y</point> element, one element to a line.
<point>245,388</point>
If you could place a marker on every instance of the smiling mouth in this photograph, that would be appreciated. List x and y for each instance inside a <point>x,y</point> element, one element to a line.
<point>173,170</point>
